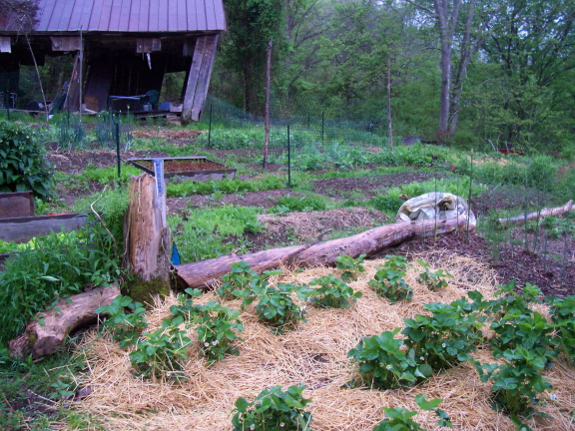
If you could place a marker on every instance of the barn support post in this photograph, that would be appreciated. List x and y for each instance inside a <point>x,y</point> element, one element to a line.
<point>199,77</point>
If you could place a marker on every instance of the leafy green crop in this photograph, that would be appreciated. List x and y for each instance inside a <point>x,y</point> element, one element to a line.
<point>332,293</point>
<point>399,419</point>
<point>273,409</point>
<point>383,364</point>
<point>56,266</point>
<point>388,280</point>
<point>22,163</point>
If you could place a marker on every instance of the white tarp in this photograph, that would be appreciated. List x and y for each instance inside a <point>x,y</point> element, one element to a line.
<point>434,205</point>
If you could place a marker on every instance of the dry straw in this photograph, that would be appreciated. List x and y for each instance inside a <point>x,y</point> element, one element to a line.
<point>314,354</point>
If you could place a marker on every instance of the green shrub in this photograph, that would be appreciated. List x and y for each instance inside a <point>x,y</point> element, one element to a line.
<point>273,409</point>
<point>22,163</point>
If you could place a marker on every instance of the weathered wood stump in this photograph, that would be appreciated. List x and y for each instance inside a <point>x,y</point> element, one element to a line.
<point>147,239</point>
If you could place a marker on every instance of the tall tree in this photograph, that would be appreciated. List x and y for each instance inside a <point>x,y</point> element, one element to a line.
<point>532,46</point>
<point>251,24</point>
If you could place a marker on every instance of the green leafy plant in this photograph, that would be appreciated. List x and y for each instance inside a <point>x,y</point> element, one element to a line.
<point>388,280</point>
<point>126,328</point>
<point>54,267</point>
<point>239,278</point>
<point>22,163</point>
<point>517,382</point>
<point>332,293</point>
<point>275,305</point>
<point>443,339</point>
<point>399,419</point>
<point>162,352</point>
<point>273,409</point>
<point>383,364</point>
<point>350,267</point>
<point>528,330</point>
<point>562,312</point>
<point>217,330</point>
<point>433,280</point>
<point>298,204</point>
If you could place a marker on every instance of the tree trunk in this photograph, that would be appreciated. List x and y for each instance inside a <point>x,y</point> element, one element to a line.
<point>147,240</point>
<point>205,274</point>
<point>389,125</point>
<point>47,331</point>
<point>267,107</point>
<point>545,212</point>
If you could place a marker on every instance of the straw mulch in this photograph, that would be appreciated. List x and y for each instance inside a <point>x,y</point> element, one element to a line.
<point>314,354</point>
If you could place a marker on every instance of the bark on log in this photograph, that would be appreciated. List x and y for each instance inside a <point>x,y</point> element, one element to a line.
<point>47,332</point>
<point>147,239</point>
<point>206,273</point>
<point>545,212</point>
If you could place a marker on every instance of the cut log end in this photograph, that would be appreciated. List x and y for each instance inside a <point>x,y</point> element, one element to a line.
<point>47,332</point>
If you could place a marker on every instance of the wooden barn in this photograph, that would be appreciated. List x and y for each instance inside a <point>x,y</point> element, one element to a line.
<point>123,49</point>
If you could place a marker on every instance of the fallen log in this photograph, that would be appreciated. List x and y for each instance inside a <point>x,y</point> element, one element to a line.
<point>205,274</point>
<point>47,331</point>
<point>545,212</point>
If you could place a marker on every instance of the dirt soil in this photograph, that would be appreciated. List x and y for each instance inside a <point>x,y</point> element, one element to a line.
<point>551,268</point>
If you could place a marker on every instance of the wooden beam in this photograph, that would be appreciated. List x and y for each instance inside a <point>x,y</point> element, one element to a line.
<point>66,43</point>
<point>199,77</point>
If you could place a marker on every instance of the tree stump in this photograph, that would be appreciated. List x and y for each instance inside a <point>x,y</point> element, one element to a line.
<point>147,239</point>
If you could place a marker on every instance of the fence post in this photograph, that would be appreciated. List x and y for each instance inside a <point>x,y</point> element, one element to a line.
<point>289,157</point>
<point>210,126</point>
<point>322,125</point>
<point>118,152</point>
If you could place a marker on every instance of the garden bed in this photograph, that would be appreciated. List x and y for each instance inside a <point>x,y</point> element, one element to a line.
<point>195,167</point>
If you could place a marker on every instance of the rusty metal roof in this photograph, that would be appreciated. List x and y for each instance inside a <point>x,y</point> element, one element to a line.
<point>127,16</point>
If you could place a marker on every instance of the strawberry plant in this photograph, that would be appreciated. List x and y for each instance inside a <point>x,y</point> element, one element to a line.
<point>162,352</point>
<point>217,330</point>
<point>350,267</point>
<point>562,312</point>
<point>240,277</point>
<point>273,409</point>
<point>333,292</point>
<point>399,419</point>
<point>433,280</point>
<point>126,328</point>
<point>530,331</point>
<point>516,383</point>
<point>441,340</point>
<point>383,364</point>
<point>276,306</point>
<point>388,280</point>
